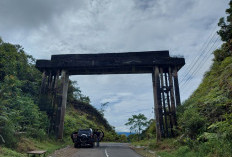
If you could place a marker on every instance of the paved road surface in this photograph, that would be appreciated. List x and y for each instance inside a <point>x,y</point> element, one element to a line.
<point>107,150</point>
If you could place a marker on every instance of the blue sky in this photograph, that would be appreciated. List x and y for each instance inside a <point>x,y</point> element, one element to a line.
<point>47,27</point>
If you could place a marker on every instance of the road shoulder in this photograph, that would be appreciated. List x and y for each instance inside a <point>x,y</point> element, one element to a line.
<point>64,152</point>
<point>143,151</point>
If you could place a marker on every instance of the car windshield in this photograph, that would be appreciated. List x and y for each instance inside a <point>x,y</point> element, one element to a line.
<point>86,131</point>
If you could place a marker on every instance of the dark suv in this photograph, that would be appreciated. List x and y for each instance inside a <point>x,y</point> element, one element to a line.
<point>84,137</point>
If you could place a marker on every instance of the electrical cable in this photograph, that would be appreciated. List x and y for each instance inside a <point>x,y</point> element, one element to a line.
<point>202,62</point>
<point>198,57</point>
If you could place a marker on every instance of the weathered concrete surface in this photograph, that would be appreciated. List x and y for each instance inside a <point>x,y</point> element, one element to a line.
<point>110,63</point>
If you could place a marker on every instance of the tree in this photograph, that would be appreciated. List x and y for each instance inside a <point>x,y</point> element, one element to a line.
<point>137,123</point>
<point>122,138</point>
<point>226,28</point>
<point>103,107</point>
<point>226,35</point>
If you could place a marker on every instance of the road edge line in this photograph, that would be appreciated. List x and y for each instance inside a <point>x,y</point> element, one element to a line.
<point>106,153</point>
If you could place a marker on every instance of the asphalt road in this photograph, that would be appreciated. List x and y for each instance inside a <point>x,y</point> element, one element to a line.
<point>107,150</point>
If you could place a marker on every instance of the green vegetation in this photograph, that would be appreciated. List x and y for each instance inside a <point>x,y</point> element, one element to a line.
<point>137,123</point>
<point>25,121</point>
<point>205,119</point>
<point>19,87</point>
<point>30,144</point>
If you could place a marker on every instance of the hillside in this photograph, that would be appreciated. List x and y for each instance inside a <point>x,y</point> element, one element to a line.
<point>205,118</point>
<point>23,125</point>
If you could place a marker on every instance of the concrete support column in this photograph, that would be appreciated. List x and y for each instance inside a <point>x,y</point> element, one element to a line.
<point>163,101</point>
<point>43,84</point>
<point>157,103</point>
<point>168,103</point>
<point>176,84</point>
<point>173,107</point>
<point>50,80</point>
<point>64,90</point>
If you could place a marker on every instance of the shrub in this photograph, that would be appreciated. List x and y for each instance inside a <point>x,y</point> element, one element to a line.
<point>192,123</point>
<point>122,138</point>
<point>8,133</point>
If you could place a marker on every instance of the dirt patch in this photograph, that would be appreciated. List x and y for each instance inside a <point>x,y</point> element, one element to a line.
<point>64,152</point>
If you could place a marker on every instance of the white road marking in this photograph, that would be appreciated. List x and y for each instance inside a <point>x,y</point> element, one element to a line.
<point>106,153</point>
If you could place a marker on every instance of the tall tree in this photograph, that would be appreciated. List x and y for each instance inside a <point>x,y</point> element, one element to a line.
<point>137,123</point>
<point>226,35</point>
<point>226,28</point>
<point>103,107</point>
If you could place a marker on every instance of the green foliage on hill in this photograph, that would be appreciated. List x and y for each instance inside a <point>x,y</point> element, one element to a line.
<point>19,86</point>
<point>205,119</point>
<point>20,115</point>
<point>92,112</point>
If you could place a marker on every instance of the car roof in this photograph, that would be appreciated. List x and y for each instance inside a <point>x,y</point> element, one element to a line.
<point>86,129</point>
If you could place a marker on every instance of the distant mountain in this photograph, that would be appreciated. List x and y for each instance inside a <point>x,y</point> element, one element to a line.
<point>125,133</point>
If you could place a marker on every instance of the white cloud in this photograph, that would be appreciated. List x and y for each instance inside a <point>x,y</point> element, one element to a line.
<point>44,28</point>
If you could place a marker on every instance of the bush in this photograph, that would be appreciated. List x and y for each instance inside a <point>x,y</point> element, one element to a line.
<point>215,147</point>
<point>221,54</point>
<point>133,137</point>
<point>192,123</point>
<point>122,138</point>
<point>8,133</point>
<point>39,134</point>
<point>183,150</point>
<point>153,145</point>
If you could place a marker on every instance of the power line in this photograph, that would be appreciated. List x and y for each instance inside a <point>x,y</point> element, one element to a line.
<point>214,31</point>
<point>208,58</point>
<point>202,48</point>
<point>200,65</point>
<point>203,51</point>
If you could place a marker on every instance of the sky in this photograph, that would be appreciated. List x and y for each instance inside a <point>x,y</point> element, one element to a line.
<point>185,28</point>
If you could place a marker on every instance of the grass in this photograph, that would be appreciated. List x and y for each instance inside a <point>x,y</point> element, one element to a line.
<point>165,148</point>
<point>27,144</point>
<point>52,145</point>
<point>6,152</point>
<point>166,144</point>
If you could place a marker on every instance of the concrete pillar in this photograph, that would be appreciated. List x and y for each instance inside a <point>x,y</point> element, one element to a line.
<point>168,103</point>
<point>163,101</point>
<point>64,90</point>
<point>43,84</point>
<point>176,84</point>
<point>173,108</point>
<point>157,103</point>
<point>50,81</point>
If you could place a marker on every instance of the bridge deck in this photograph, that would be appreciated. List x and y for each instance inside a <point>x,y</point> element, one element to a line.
<point>110,63</point>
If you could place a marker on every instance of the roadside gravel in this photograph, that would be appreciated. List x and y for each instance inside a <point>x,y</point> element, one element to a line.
<point>64,152</point>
